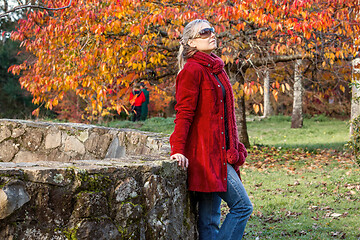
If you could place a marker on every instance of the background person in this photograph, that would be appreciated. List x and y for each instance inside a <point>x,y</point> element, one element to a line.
<point>205,138</point>
<point>144,106</point>
<point>136,99</point>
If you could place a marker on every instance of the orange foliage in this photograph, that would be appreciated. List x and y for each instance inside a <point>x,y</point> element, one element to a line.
<point>98,49</point>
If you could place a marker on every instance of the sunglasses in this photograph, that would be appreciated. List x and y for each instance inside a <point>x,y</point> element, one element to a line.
<point>205,33</point>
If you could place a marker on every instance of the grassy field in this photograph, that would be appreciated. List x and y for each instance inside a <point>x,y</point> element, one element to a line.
<point>156,124</point>
<point>301,183</point>
<point>317,132</point>
<point>302,195</point>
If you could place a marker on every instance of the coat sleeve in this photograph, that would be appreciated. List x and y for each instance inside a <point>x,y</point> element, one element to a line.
<point>187,94</point>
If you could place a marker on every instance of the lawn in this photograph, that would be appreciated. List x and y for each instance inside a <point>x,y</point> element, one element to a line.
<point>300,181</point>
<point>317,132</point>
<point>302,195</point>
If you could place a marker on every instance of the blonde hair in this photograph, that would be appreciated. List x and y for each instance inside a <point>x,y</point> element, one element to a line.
<point>190,31</point>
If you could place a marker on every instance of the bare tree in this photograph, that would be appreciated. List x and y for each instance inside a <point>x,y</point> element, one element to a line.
<point>355,103</point>
<point>297,113</point>
<point>267,104</point>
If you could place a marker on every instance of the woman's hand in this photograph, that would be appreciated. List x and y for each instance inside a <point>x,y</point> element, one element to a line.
<point>182,160</point>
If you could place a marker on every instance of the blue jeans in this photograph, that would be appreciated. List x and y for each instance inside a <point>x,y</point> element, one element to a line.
<point>209,210</point>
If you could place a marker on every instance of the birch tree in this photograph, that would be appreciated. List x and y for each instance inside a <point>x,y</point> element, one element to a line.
<point>267,104</point>
<point>297,112</point>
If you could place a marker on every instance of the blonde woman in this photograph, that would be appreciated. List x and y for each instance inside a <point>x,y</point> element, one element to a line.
<point>205,139</point>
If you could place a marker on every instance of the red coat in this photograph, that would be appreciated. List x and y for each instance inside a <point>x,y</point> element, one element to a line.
<point>199,124</point>
<point>139,99</point>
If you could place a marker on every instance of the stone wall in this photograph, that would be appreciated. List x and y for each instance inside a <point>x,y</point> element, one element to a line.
<point>27,141</point>
<point>75,181</point>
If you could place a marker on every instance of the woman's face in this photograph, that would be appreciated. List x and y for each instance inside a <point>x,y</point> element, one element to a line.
<point>206,41</point>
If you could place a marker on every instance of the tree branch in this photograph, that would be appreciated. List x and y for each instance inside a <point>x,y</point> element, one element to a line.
<point>32,6</point>
<point>243,65</point>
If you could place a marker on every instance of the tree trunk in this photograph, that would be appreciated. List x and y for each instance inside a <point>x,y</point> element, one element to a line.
<point>297,114</point>
<point>267,104</point>
<point>355,102</point>
<point>241,116</point>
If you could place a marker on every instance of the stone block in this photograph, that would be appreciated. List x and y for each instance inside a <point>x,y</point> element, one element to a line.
<point>130,221</point>
<point>26,156</point>
<point>12,196</point>
<point>83,136</point>
<point>31,140</point>
<point>53,139</point>
<point>17,132</point>
<point>104,144</point>
<point>57,155</point>
<point>53,176</point>
<point>129,211</point>
<point>128,189</point>
<point>91,142</point>
<point>154,189</point>
<point>73,144</point>
<point>8,149</point>
<point>122,138</point>
<point>4,133</point>
<point>91,204</point>
<point>98,144</point>
<point>115,150</point>
<point>98,229</point>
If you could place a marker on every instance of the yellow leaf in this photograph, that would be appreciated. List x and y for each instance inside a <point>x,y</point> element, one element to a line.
<point>342,88</point>
<point>36,112</point>
<point>287,86</point>
<point>275,94</point>
<point>256,108</point>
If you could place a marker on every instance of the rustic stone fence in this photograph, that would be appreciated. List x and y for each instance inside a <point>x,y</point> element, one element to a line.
<point>77,181</point>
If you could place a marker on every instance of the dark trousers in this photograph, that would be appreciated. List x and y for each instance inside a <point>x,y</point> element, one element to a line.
<point>136,110</point>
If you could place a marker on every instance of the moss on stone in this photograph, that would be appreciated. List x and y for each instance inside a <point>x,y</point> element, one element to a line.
<point>93,182</point>
<point>3,184</point>
<point>124,232</point>
<point>71,233</point>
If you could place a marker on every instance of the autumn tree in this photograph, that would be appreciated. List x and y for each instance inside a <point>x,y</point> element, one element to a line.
<point>97,49</point>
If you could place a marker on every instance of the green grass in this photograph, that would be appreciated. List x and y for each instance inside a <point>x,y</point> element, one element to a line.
<point>155,124</point>
<point>317,200</point>
<point>317,132</point>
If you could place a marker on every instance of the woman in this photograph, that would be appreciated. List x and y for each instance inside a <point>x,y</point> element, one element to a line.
<point>205,137</point>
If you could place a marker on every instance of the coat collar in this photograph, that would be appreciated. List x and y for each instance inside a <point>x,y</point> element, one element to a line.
<point>212,62</point>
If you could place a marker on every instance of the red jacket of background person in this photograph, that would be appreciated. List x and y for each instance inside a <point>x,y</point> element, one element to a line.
<point>200,127</point>
<point>140,98</point>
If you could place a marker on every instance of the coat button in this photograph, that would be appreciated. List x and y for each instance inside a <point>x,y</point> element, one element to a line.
<point>224,179</point>
<point>224,163</point>
<point>220,100</point>
<point>218,85</point>
<point>221,118</point>
<point>223,148</point>
<point>222,132</point>
<point>209,65</point>
<point>211,73</point>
